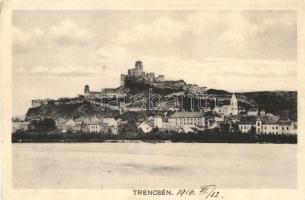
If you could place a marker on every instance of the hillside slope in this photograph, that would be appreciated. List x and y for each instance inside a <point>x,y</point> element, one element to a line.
<point>273,102</point>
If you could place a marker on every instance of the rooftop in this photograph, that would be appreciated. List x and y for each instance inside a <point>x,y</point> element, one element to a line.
<point>187,115</point>
<point>148,123</point>
<point>253,109</point>
<point>247,120</point>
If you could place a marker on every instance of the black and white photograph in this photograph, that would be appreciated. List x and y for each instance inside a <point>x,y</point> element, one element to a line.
<point>176,103</point>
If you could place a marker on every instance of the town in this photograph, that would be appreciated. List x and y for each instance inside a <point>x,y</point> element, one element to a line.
<point>164,104</point>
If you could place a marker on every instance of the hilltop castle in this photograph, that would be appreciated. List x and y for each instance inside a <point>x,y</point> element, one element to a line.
<point>138,72</point>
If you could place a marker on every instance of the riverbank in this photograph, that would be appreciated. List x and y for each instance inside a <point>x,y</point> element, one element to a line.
<point>156,137</point>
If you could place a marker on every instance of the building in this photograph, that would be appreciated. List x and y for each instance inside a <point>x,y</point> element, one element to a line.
<point>60,124</point>
<point>20,126</point>
<point>180,119</point>
<point>36,103</point>
<point>267,125</point>
<point>112,93</point>
<point>158,121</point>
<point>151,76</point>
<point>160,78</point>
<point>86,90</point>
<point>146,126</point>
<point>234,105</point>
<point>287,127</point>
<point>252,112</point>
<point>245,124</point>
<point>40,102</point>
<point>228,110</point>
<point>112,125</point>
<point>123,78</point>
<point>138,71</point>
<point>242,110</point>
<point>95,125</point>
<point>139,66</point>
<point>90,94</point>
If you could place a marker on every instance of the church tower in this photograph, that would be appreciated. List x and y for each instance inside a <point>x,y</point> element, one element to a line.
<point>86,90</point>
<point>234,105</point>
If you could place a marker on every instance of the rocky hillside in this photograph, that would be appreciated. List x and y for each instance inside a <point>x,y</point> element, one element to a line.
<point>273,102</point>
<point>68,111</point>
<point>137,86</point>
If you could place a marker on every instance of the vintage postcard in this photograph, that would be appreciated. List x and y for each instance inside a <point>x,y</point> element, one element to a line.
<point>152,100</point>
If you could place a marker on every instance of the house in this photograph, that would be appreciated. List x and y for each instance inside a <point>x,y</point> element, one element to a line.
<point>157,120</point>
<point>245,124</point>
<point>146,126</point>
<point>96,125</point>
<point>268,124</point>
<point>252,112</point>
<point>98,128</point>
<point>287,127</point>
<point>60,123</point>
<point>20,126</point>
<point>180,119</point>
<point>79,125</point>
<point>110,121</point>
<point>242,110</point>
<point>112,124</point>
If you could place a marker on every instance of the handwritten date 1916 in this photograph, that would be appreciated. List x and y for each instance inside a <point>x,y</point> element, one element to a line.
<point>206,191</point>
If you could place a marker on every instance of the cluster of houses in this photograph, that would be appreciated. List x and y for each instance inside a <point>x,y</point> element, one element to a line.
<point>249,120</point>
<point>267,124</point>
<point>181,122</point>
<point>88,125</point>
<point>253,119</point>
<point>20,126</point>
<point>82,124</point>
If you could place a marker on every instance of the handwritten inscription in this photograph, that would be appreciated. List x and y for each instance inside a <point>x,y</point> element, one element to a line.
<point>203,192</point>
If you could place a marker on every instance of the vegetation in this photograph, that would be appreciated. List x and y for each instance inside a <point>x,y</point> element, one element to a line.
<point>46,124</point>
<point>206,136</point>
<point>276,102</point>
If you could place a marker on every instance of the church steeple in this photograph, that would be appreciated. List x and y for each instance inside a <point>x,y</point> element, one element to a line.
<point>234,105</point>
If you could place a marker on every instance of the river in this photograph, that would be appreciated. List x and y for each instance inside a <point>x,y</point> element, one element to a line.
<point>145,165</point>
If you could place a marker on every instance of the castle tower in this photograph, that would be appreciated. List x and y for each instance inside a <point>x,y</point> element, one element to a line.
<point>139,66</point>
<point>86,90</point>
<point>123,78</point>
<point>234,105</point>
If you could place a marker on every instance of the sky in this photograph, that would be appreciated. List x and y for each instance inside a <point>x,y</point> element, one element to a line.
<point>56,52</point>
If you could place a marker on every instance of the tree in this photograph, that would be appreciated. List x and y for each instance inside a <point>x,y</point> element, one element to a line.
<point>46,124</point>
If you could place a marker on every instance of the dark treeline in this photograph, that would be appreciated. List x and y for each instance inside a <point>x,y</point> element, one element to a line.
<point>207,136</point>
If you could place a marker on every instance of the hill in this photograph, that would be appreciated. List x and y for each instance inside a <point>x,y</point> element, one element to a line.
<point>67,111</point>
<point>276,102</point>
<point>272,101</point>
